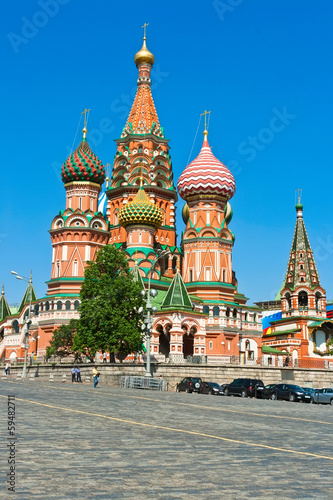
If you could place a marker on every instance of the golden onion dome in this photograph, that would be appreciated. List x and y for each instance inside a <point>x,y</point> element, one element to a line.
<point>144,55</point>
<point>141,211</point>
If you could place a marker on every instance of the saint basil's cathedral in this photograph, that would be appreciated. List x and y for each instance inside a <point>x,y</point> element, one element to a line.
<point>201,315</point>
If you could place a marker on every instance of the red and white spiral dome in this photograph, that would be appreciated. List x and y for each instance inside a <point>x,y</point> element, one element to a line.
<point>206,175</point>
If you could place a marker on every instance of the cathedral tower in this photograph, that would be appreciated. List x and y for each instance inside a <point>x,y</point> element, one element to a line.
<point>80,230</point>
<point>207,185</point>
<point>143,152</point>
<point>302,294</point>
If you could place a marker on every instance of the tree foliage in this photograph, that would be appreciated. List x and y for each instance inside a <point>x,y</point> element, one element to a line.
<point>110,299</point>
<point>61,344</point>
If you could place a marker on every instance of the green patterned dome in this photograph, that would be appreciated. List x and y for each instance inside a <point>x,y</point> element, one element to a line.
<point>83,165</point>
<point>141,211</point>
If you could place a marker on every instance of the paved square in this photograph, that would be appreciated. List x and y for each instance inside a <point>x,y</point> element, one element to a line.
<point>78,442</point>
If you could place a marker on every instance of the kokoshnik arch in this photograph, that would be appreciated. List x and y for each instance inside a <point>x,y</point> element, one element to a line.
<point>200,310</point>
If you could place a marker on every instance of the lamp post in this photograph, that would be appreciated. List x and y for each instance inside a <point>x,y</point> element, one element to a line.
<point>147,295</point>
<point>28,321</point>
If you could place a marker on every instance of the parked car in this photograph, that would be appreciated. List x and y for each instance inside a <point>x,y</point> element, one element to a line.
<point>189,384</point>
<point>267,392</point>
<point>245,387</point>
<point>212,388</point>
<point>289,392</point>
<point>311,391</point>
<point>323,396</point>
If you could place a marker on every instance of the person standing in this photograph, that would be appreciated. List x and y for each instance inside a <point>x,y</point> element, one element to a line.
<point>6,369</point>
<point>73,374</point>
<point>104,357</point>
<point>96,376</point>
<point>78,375</point>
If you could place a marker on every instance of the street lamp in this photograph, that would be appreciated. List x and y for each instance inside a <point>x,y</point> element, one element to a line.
<point>28,321</point>
<point>146,295</point>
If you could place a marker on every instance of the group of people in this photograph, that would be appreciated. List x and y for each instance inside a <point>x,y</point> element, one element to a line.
<point>76,374</point>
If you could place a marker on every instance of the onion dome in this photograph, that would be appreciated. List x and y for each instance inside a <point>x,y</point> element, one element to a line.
<point>206,175</point>
<point>299,205</point>
<point>228,213</point>
<point>141,211</point>
<point>144,55</point>
<point>186,213</point>
<point>83,165</point>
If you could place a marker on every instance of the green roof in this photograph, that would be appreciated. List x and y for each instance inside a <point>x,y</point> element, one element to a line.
<point>270,350</point>
<point>29,295</point>
<point>4,307</point>
<point>177,296</point>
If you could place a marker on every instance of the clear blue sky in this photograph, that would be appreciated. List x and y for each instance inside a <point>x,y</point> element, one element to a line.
<point>248,62</point>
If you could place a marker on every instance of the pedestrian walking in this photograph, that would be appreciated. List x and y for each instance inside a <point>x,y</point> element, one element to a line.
<point>96,376</point>
<point>104,357</point>
<point>78,375</point>
<point>6,369</point>
<point>73,374</point>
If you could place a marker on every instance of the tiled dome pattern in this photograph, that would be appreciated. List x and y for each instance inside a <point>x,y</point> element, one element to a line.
<point>83,165</point>
<point>206,175</point>
<point>141,211</point>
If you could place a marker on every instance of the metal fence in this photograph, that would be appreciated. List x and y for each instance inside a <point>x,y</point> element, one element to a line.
<point>131,382</point>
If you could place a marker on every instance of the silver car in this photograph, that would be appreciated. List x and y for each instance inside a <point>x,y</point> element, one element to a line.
<point>324,396</point>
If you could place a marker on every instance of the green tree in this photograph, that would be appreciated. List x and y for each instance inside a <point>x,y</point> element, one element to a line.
<point>61,344</point>
<point>110,299</point>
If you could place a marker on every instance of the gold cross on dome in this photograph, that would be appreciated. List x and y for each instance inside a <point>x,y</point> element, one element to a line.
<point>85,115</point>
<point>205,113</point>
<point>144,29</point>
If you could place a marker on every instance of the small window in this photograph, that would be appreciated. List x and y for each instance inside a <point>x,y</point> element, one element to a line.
<point>68,305</point>
<point>216,311</point>
<point>47,306</point>
<point>210,344</point>
<point>76,305</point>
<point>205,310</point>
<point>59,305</point>
<point>191,275</point>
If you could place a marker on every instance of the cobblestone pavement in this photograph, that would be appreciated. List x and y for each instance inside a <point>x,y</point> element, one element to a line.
<point>78,442</point>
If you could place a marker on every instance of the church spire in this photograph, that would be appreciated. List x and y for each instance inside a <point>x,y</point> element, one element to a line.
<point>301,266</point>
<point>4,307</point>
<point>143,117</point>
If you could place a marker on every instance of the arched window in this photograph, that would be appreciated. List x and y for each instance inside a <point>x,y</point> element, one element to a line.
<point>36,310</point>
<point>245,316</point>
<point>47,306</point>
<point>59,305</point>
<point>234,313</point>
<point>216,311</point>
<point>67,305</point>
<point>247,345</point>
<point>205,310</point>
<point>254,317</point>
<point>15,326</point>
<point>302,299</point>
<point>76,305</point>
<point>318,297</point>
<point>227,313</point>
<point>288,299</point>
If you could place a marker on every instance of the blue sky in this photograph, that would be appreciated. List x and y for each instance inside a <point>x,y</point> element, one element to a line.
<point>262,68</point>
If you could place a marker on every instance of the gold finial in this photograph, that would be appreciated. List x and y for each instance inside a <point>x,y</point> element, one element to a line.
<point>205,132</point>
<point>144,30</point>
<point>144,55</point>
<point>84,130</point>
<point>107,179</point>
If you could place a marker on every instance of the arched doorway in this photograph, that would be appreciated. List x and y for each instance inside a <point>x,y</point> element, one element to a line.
<point>164,336</point>
<point>188,342</point>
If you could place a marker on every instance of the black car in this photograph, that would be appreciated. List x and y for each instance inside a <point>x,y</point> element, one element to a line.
<point>268,391</point>
<point>289,392</point>
<point>189,384</point>
<point>211,388</point>
<point>245,387</point>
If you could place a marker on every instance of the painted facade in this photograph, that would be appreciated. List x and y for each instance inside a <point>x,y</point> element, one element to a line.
<point>200,312</point>
<point>304,329</point>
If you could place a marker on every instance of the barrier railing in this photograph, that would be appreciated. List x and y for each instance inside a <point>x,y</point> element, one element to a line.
<point>133,382</point>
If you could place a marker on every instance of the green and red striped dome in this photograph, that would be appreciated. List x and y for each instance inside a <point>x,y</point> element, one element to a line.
<point>83,165</point>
